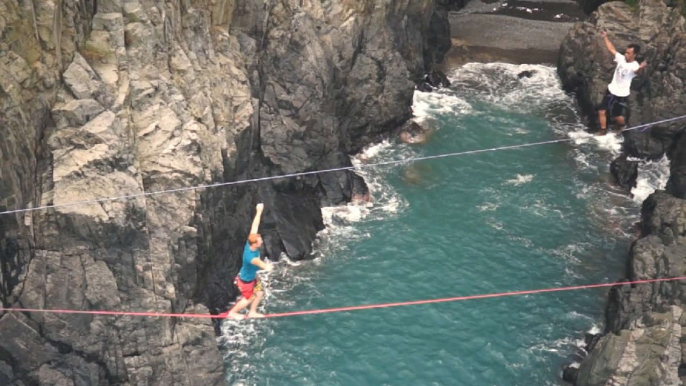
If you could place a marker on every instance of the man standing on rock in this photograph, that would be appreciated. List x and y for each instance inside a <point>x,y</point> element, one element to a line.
<point>246,280</point>
<point>620,87</point>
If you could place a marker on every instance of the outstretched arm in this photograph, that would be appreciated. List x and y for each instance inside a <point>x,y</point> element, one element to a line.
<point>642,66</point>
<point>258,262</point>
<point>256,220</point>
<point>608,43</point>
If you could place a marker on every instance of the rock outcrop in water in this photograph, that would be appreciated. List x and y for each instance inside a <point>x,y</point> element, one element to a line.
<point>643,342</point>
<point>111,98</point>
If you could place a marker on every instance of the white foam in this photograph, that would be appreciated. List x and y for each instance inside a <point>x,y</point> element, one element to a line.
<point>488,207</point>
<point>652,175</point>
<point>427,105</point>
<point>500,84</point>
<point>595,330</point>
<point>520,180</point>
<point>611,142</point>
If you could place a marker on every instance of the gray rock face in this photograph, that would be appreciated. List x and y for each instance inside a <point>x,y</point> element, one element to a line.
<point>642,342</point>
<point>647,353</point>
<point>131,97</point>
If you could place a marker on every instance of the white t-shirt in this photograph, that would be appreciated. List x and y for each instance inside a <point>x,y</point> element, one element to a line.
<point>624,73</point>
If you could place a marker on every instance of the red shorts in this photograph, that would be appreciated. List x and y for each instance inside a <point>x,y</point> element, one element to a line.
<point>248,289</point>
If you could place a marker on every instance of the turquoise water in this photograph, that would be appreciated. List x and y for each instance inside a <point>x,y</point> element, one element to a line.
<point>530,218</point>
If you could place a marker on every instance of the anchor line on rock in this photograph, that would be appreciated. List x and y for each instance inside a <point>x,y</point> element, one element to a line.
<point>345,309</point>
<point>300,174</point>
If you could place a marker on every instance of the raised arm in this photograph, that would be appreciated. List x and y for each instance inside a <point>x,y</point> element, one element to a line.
<point>608,43</point>
<point>256,220</point>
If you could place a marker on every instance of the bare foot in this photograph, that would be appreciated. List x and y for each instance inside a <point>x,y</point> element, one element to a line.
<point>601,133</point>
<point>255,315</point>
<point>236,316</point>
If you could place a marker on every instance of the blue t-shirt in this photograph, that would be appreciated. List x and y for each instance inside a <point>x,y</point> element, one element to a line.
<point>249,270</point>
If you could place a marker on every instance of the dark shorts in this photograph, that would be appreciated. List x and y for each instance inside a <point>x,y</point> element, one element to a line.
<point>248,288</point>
<point>613,104</point>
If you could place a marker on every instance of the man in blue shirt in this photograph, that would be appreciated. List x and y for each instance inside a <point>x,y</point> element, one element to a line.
<point>246,280</point>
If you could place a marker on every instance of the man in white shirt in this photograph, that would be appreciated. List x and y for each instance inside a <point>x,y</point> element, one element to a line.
<point>619,89</point>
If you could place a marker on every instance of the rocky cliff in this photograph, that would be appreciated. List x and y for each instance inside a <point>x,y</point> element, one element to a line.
<point>643,342</point>
<point>116,97</point>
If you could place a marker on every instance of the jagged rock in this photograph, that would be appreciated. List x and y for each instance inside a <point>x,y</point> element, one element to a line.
<point>77,112</point>
<point>646,354</point>
<point>624,172</point>
<point>84,83</point>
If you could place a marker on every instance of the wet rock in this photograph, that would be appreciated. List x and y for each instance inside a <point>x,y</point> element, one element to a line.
<point>436,79</point>
<point>570,374</point>
<point>413,132</point>
<point>424,87</point>
<point>590,341</point>
<point>624,172</point>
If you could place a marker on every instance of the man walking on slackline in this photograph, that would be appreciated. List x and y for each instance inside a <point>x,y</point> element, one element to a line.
<point>619,89</point>
<point>246,280</point>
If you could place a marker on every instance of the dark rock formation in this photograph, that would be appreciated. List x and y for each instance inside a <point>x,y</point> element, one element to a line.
<point>570,374</point>
<point>432,80</point>
<point>590,6</point>
<point>677,174</point>
<point>624,172</point>
<point>116,98</point>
